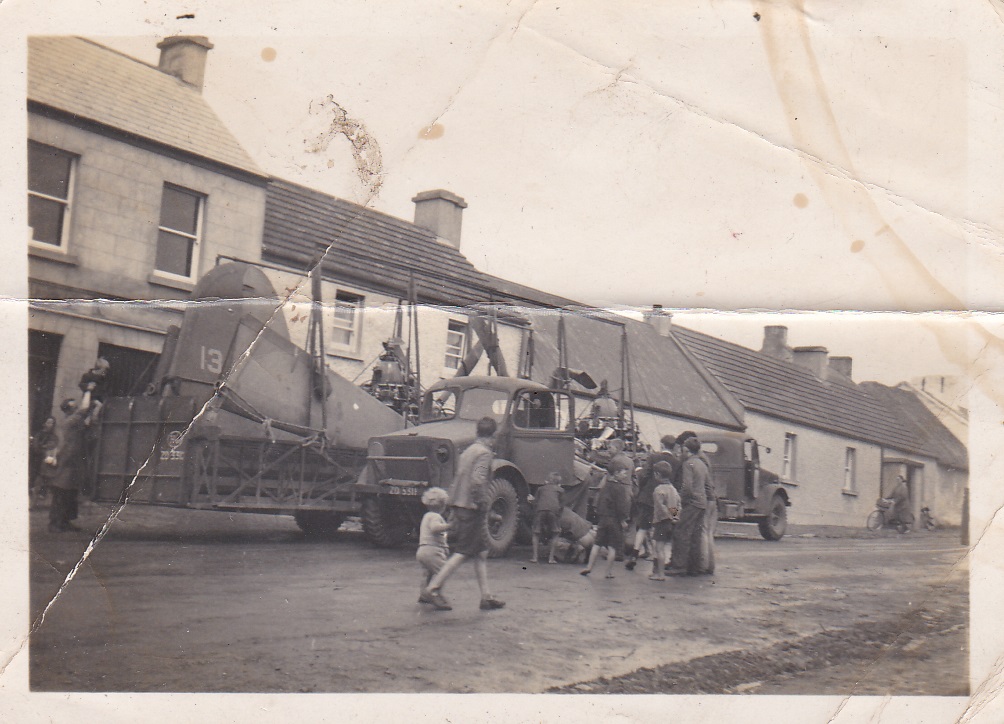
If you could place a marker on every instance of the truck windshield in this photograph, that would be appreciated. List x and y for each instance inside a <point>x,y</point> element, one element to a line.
<point>474,403</point>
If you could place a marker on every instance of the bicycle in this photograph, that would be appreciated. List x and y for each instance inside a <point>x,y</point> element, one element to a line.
<point>881,517</point>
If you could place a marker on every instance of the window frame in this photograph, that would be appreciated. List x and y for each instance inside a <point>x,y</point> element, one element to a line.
<point>200,216</point>
<point>64,231</point>
<point>850,471</point>
<point>789,457</point>
<point>464,331</point>
<point>336,324</point>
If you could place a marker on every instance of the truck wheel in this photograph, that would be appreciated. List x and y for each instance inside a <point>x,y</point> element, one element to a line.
<point>318,523</point>
<point>383,525</point>
<point>503,516</point>
<point>774,526</point>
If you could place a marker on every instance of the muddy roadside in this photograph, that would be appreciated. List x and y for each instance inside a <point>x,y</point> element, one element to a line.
<point>912,654</point>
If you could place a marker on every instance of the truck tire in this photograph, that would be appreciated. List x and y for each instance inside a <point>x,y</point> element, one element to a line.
<point>385,526</point>
<point>502,520</point>
<point>776,522</point>
<point>318,523</point>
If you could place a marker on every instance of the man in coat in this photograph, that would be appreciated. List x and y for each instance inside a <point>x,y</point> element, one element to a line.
<point>68,459</point>
<point>468,519</point>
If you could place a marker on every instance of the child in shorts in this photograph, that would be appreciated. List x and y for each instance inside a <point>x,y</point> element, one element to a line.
<point>665,515</point>
<point>546,508</point>
<point>432,547</point>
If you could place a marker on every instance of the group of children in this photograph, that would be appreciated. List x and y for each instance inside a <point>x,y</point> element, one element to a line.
<point>655,513</point>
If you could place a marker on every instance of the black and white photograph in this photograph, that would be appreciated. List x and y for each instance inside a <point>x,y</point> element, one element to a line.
<point>642,358</point>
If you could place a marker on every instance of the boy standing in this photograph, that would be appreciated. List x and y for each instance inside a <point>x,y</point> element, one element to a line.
<point>432,549</point>
<point>665,515</point>
<point>612,509</point>
<point>546,508</point>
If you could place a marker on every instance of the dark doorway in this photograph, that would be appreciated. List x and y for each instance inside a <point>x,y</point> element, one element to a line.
<point>43,357</point>
<point>131,370</point>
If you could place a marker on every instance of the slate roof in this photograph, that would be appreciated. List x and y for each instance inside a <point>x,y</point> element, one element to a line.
<point>665,378</point>
<point>786,391</point>
<point>914,416</point>
<point>374,248</point>
<point>98,84</point>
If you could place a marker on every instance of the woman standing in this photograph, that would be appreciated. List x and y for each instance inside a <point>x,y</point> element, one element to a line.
<point>43,444</point>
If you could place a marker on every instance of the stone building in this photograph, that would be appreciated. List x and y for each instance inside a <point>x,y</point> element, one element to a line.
<point>134,187</point>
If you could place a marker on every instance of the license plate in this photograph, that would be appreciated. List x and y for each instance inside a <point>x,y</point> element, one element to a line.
<point>402,490</point>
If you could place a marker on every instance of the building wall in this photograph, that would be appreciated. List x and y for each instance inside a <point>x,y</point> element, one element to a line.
<point>817,495</point>
<point>110,249</point>
<point>82,334</point>
<point>115,211</point>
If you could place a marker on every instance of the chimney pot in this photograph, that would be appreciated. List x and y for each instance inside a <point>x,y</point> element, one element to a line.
<point>775,342</point>
<point>184,56</point>
<point>843,365</point>
<point>813,359</point>
<point>441,212</point>
<point>660,319</point>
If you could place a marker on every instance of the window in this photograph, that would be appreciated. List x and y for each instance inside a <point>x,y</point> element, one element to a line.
<point>130,370</point>
<point>456,344</point>
<point>543,410</point>
<point>850,471</point>
<point>345,320</point>
<point>50,180</point>
<point>788,468</point>
<point>179,232</point>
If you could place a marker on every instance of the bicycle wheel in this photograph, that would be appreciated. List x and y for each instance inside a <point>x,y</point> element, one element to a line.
<point>875,520</point>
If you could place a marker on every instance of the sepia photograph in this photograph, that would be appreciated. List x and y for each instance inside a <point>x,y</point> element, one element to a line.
<point>642,359</point>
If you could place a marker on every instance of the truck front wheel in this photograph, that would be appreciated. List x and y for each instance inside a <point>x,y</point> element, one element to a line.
<point>503,516</point>
<point>776,522</point>
<point>384,524</point>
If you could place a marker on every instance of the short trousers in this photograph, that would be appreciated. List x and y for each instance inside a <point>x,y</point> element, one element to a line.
<point>546,523</point>
<point>468,535</point>
<point>431,558</point>
<point>663,530</point>
<point>609,533</point>
<point>642,516</point>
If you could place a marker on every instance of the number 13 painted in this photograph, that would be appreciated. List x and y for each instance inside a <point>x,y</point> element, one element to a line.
<point>211,360</point>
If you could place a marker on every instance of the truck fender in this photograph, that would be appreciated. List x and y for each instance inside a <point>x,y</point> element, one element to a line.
<point>767,493</point>
<point>512,473</point>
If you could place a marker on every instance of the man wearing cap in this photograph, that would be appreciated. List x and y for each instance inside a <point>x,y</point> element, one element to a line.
<point>678,557</point>
<point>68,458</point>
<point>693,493</point>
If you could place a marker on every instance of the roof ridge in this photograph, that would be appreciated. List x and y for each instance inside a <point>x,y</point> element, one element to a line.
<point>116,52</point>
<point>397,221</point>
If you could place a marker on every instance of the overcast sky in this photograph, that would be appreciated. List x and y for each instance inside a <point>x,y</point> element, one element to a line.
<point>695,157</point>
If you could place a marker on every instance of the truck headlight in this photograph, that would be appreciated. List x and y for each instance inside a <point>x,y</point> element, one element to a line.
<point>443,453</point>
<point>375,449</point>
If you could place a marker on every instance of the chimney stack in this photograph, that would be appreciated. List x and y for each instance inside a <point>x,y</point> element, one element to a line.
<point>843,365</point>
<point>813,359</point>
<point>660,319</point>
<point>184,56</point>
<point>441,212</point>
<point>775,342</point>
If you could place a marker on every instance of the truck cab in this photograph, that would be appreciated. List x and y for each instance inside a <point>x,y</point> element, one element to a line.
<point>535,436</point>
<point>746,492</point>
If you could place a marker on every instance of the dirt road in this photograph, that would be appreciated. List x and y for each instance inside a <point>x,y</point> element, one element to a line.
<point>177,600</point>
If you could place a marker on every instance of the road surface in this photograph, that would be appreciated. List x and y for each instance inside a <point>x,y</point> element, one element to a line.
<point>175,600</point>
